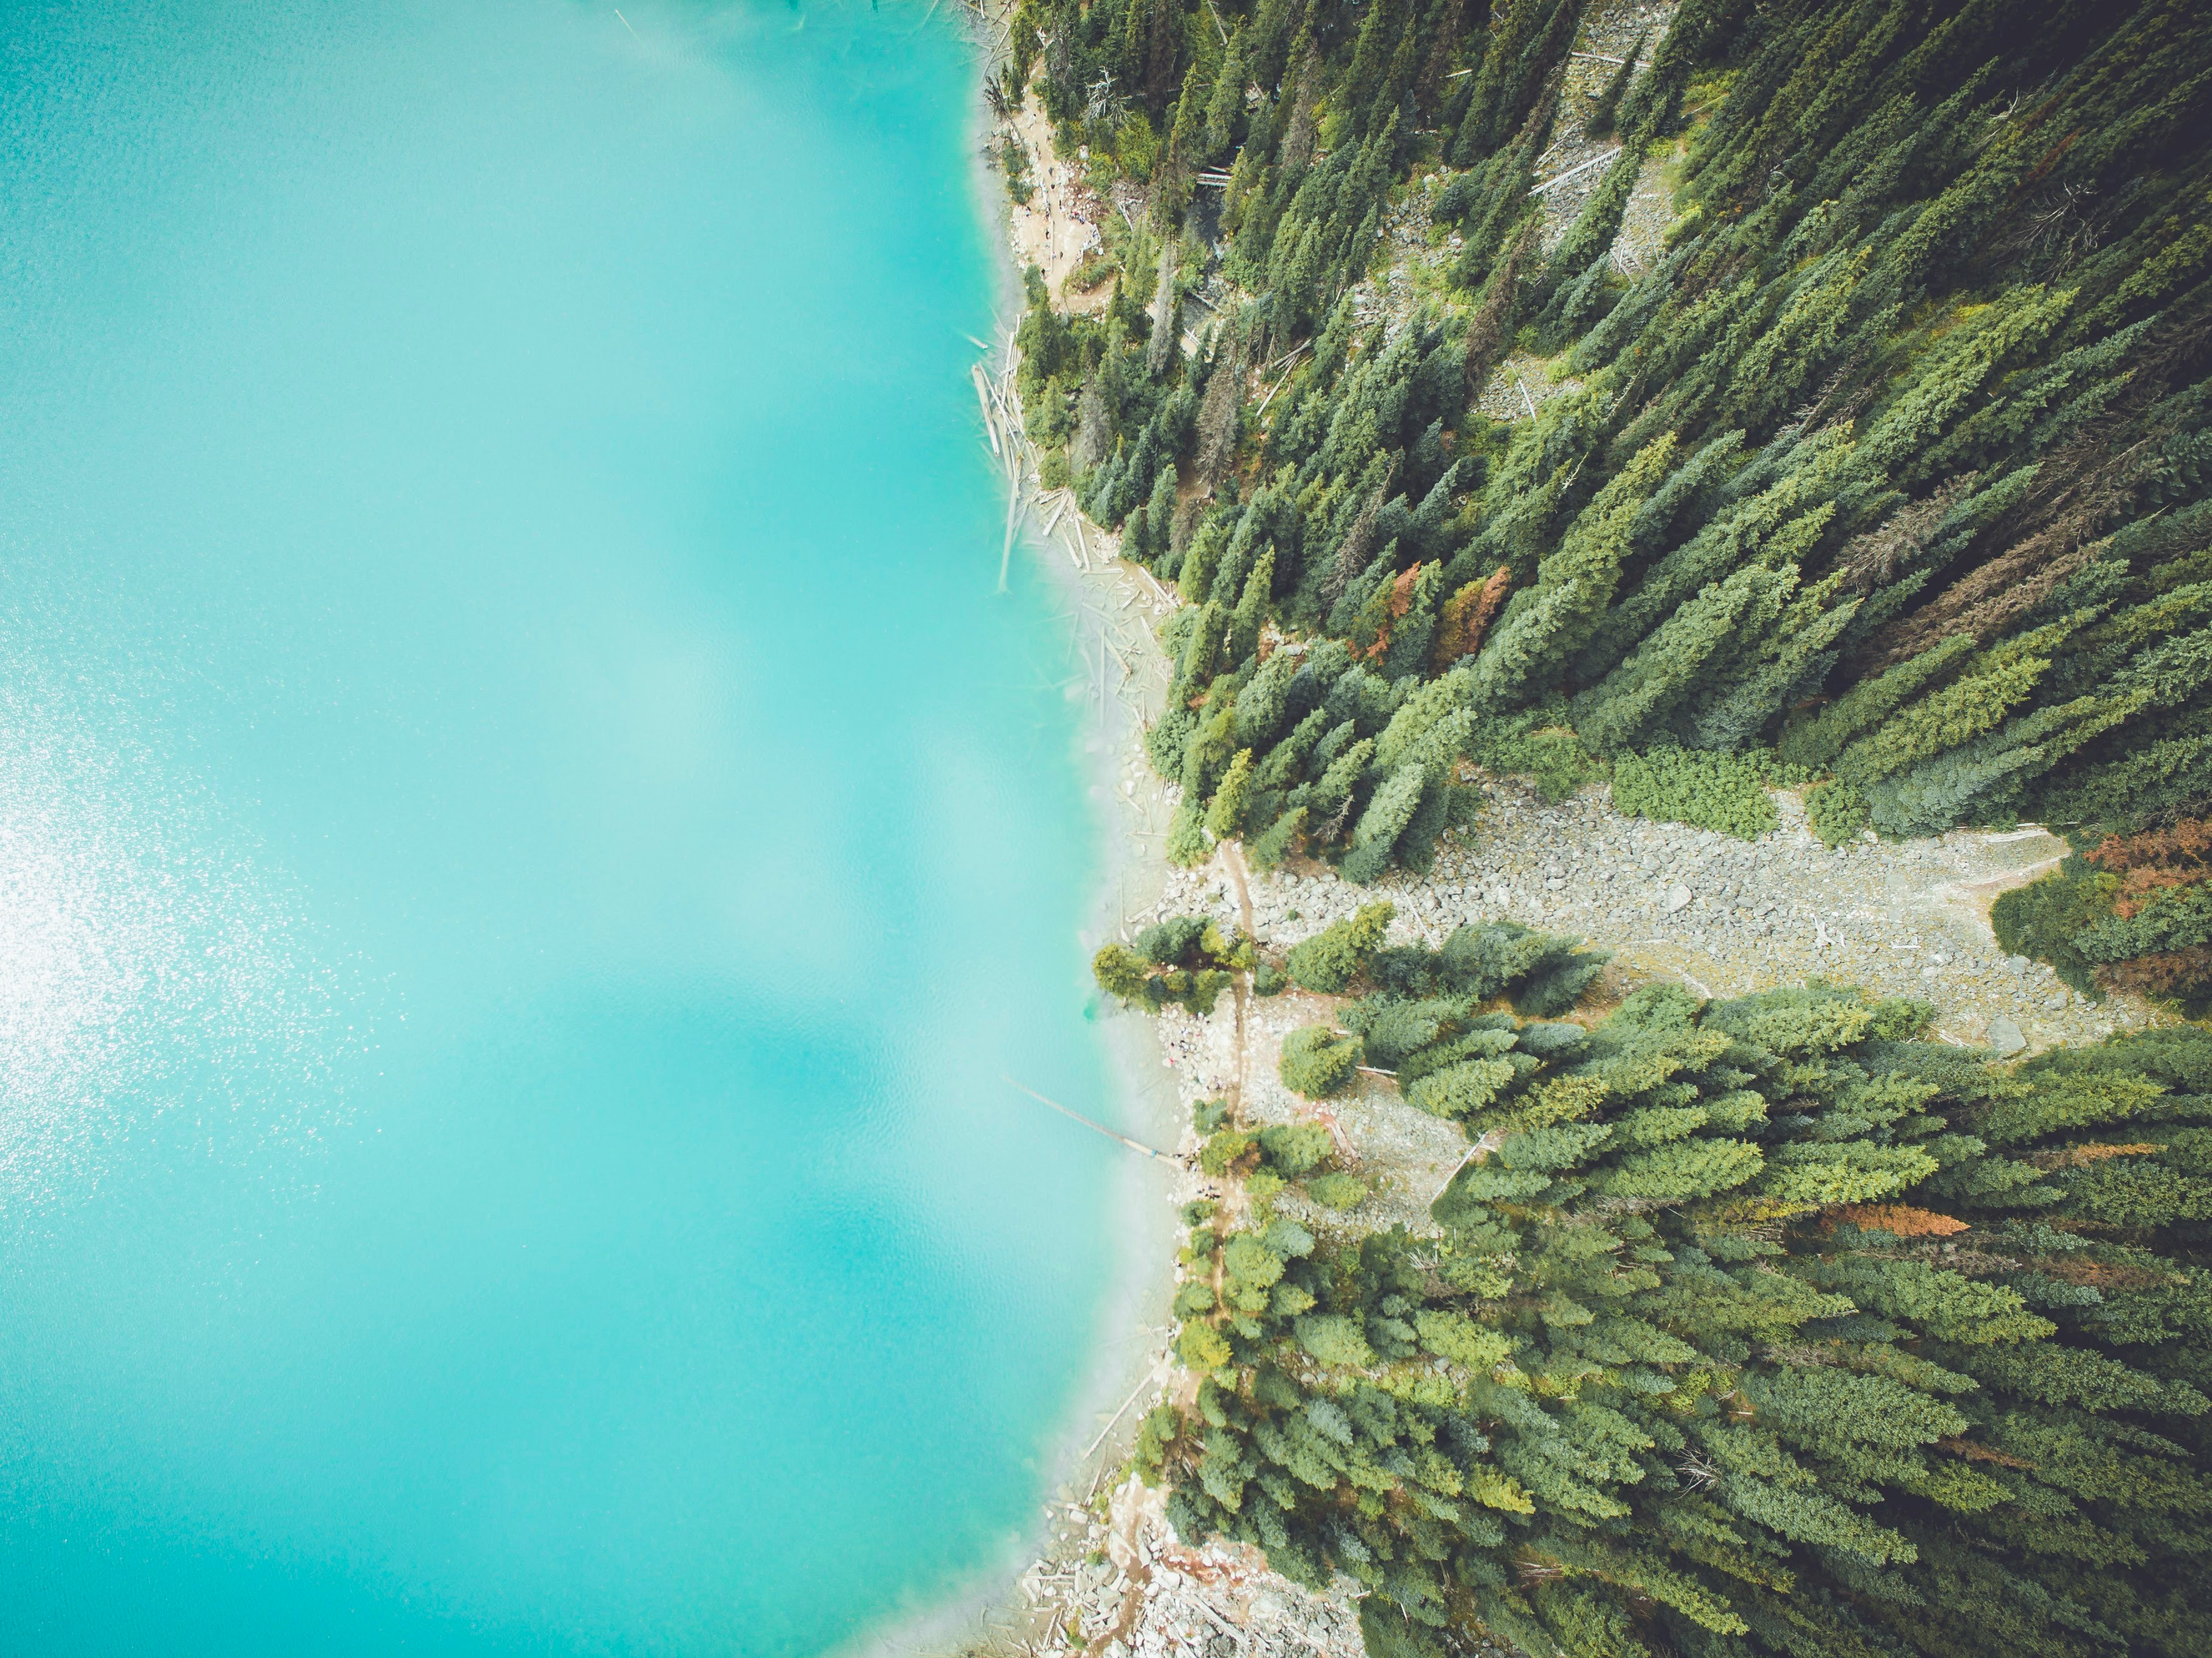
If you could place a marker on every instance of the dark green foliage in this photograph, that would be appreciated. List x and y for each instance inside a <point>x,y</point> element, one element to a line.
<point>1606,106</point>
<point>2041,919</point>
<point>1758,1327</point>
<point>1899,462</point>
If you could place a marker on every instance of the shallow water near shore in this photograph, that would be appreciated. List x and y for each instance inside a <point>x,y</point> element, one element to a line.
<point>527,841</point>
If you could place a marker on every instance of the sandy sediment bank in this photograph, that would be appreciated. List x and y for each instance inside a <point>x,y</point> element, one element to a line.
<point>1099,1563</point>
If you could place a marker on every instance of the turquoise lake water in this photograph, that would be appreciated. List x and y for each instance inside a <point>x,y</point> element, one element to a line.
<point>527,839</point>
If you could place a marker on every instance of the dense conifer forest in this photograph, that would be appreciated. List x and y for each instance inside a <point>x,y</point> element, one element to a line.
<point>1760,1327</point>
<point>1886,479</point>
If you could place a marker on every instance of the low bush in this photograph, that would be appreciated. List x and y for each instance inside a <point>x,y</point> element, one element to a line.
<point>1706,788</point>
<point>1836,811</point>
<point>1338,1191</point>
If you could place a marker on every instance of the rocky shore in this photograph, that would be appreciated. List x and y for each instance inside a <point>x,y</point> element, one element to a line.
<point>1722,915</point>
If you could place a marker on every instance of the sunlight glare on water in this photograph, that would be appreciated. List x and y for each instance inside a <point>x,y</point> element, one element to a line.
<point>527,840</point>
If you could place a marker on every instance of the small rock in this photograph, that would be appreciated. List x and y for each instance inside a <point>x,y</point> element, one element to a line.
<point>2015,964</point>
<point>2004,1036</point>
<point>2056,1000</point>
<point>1677,899</point>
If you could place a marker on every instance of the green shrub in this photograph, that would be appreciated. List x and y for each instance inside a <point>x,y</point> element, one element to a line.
<point>1836,811</point>
<point>1330,960</point>
<point>1296,1148</point>
<point>1338,1191</point>
<point>1316,1061</point>
<point>1550,756</point>
<point>1207,1115</point>
<point>1137,148</point>
<point>2041,919</point>
<point>1706,788</point>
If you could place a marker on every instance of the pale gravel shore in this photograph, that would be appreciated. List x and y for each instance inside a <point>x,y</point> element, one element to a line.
<point>1722,915</point>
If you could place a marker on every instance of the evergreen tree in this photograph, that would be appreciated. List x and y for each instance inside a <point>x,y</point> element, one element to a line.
<point>1224,107</point>
<point>1760,1327</point>
<point>1936,356</point>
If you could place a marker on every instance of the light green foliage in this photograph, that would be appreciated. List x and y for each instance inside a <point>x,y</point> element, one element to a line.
<point>1184,959</point>
<point>1316,1061</point>
<point>1224,817</point>
<point>1817,741</point>
<point>1961,712</point>
<point>1338,1191</point>
<point>1334,1341</point>
<point>1330,960</point>
<point>1723,791</point>
<point>1295,1149</point>
<point>1460,1091</point>
<point>1835,810</point>
<point>1186,844</point>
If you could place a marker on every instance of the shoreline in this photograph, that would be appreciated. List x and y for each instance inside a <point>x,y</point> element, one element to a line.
<point>1101,1567</point>
<point>1717,916</point>
<point>1109,607</point>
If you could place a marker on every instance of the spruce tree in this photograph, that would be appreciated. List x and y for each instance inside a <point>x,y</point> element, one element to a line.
<point>1763,1326</point>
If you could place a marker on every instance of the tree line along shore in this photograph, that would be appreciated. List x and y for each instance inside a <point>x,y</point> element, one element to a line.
<point>1881,483</point>
<point>1769,1323</point>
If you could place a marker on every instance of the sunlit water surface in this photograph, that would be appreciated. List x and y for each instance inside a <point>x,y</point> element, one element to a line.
<point>527,839</point>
